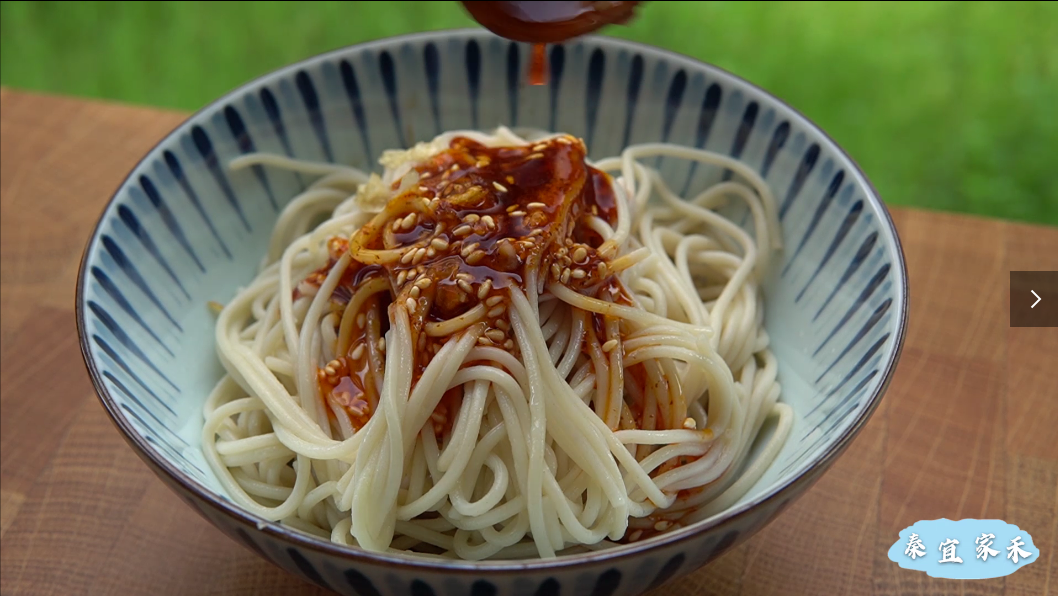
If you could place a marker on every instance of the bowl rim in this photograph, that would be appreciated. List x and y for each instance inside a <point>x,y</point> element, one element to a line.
<point>410,562</point>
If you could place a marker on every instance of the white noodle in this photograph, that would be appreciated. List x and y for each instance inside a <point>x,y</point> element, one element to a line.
<point>544,452</point>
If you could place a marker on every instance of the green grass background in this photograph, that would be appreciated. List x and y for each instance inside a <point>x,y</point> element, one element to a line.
<point>946,105</point>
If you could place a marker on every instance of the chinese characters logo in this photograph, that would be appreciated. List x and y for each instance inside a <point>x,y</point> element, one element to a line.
<point>914,547</point>
<point>948,548</point>
<point>947,538</point>
<point>983,542</point>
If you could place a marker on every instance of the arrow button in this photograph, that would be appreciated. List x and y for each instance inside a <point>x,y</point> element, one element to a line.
<point>1033,299</point>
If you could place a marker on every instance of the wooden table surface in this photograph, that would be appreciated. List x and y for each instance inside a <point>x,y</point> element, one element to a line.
<point>967,429</point>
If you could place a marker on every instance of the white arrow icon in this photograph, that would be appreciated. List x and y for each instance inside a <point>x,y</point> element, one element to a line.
<point>1037,299</point>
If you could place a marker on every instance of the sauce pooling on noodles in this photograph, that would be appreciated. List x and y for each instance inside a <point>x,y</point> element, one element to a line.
<point>475,221</point>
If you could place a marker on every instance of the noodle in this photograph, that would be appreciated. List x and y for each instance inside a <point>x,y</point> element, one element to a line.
<point>495,349</point>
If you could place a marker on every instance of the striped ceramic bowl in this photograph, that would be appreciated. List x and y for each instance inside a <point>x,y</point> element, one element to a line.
<point>182,230</point>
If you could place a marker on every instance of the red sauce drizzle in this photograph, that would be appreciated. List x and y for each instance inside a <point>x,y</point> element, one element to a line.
<point>538,65</point>
<point>479,220</point>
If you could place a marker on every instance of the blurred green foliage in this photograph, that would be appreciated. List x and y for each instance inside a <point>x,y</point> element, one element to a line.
<point>946,105</point>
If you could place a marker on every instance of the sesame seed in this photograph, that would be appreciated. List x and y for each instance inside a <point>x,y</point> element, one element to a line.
<point>638,533</point>
<point>410,303</point>
<point>510,179</point>
<point>690,424</point>
<point>518,213</point>
<point>454,167</point>
<point>431,252</point>
<point>511,208</point>
<point>489,222</point>
<point>469,248</point>
<point>409,221</point>
<point>403,275</point>
<point>610,345</point>
<point>423,189</point>
<point>564,140</point>
<point>419,254</point>
<point>555,270</point>
<point>494,301</point>
<point>501,324</point>
<point>602,269</point>
<point>509,344</point>
<point>423,282</point>
<point>471,218</point>
<point>361,320</point>
<point>407,256</point>
<point>465,286</point>
<point>484,290</point>
<point>381,344</point>
<point>414,291</point>
<point>535,205</point>
<point>536,232</point>
<point>579,274</point>
<point>476,257</point>
<point>662,525</point>
<point>539,146</point>
<point>329,370</point>
<point>565,276</point>
<point>496,335</point>
<point>535,156</point>
<point>507,250</point>
<point>358,352</point>
<point>499,186</point>
<point>484,341</point>
<point>396,225</point>
<point>462,230</point>
<point>439,243</point>
<point>580,254</point>
<point>496,311</point>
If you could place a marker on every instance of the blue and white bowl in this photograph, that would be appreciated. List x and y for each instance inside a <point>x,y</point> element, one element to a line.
<point>182,230</point>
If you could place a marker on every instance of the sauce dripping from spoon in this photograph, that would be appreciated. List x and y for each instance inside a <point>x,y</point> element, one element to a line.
<point>538,65</point>
<point>541,23</point>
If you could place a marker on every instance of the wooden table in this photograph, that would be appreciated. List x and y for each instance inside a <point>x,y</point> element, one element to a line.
<point>967,429</point>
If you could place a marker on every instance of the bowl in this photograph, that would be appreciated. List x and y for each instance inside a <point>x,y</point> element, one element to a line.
<point>182,230</point>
